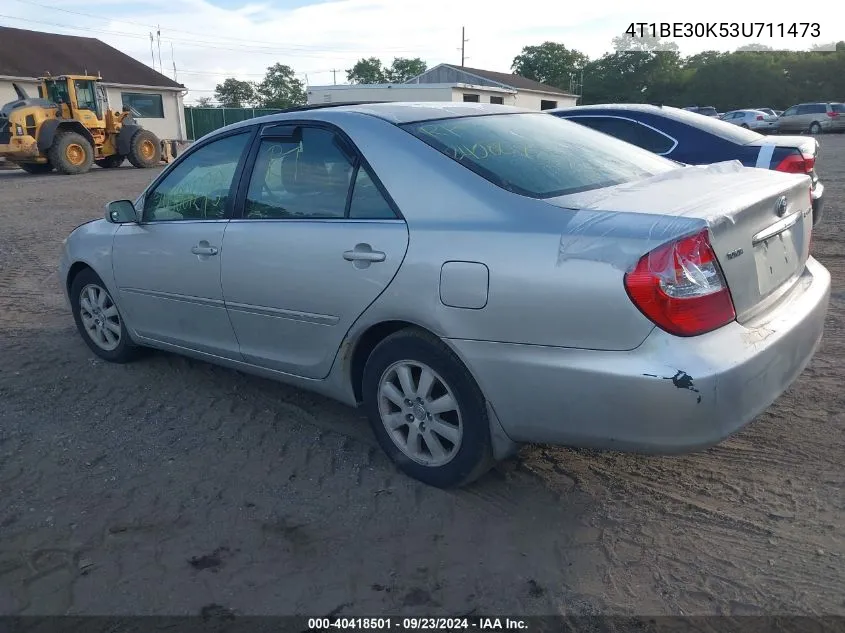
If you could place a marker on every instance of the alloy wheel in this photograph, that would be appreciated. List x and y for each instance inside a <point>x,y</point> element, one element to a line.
<point>100,317</point>
<point>420,413</point>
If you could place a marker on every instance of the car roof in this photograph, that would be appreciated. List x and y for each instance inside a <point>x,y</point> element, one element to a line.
<point>397,112</point>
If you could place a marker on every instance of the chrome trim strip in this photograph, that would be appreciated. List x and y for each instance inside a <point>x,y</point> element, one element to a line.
<point>777,228</point>
<point>293,315</point>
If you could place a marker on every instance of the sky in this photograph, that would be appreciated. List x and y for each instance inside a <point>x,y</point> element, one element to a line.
<point>209,40</point>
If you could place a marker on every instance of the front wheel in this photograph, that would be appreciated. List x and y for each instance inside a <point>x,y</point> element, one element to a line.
<point>98,319</point>
<point>144,150</point>
<point>426,410</point>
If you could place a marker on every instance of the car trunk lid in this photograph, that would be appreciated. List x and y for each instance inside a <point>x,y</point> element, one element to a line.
<point>760,222</point>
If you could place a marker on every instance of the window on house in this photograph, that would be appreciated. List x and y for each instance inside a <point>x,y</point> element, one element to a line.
<point>471,98</point>
<point>548,105</point>
<point>499,100</point>
<point>147,106</point>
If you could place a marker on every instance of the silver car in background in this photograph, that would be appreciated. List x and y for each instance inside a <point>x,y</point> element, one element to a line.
<point>475,276</point>
<point>756,120</point>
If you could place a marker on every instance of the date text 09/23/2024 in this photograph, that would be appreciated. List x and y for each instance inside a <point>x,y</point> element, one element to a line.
<point>724,29</point>
<point>493,624</point>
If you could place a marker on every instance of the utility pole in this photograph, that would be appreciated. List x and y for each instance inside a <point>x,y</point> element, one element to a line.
<point>152,54</point>
<point>173,59</point>
<point>158,35</point>
<point>334,76</point>
<point>464,40</point>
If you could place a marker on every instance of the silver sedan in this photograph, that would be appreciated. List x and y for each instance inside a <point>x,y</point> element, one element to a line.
<point>474,276</point>
<point>756,120</point>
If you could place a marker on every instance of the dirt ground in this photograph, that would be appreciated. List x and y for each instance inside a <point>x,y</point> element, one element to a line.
<point>170,486</point>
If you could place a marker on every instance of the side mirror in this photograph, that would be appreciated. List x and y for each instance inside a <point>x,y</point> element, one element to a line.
<point>121,212</point>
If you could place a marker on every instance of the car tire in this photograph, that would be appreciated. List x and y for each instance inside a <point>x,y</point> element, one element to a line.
<point>745,125</point>
<point>815,128</point>
<point>99,320</point>
<point>447,446</point>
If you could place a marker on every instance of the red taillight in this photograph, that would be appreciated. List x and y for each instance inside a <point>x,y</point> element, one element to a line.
<point>797,164</point>
<point>833,115</point>
<point>680,287</point>
<point>759,117</point>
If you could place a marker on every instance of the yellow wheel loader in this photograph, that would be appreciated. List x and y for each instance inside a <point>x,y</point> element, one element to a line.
<point>69,127</point>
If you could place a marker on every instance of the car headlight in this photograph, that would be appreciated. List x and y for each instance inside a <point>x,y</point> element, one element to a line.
<point>19,129</point>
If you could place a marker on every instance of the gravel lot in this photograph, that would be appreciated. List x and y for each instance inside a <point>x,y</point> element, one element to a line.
<point>169,486</point>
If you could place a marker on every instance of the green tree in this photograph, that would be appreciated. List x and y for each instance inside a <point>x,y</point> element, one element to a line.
<point>549,63</point>
<point>403,68</point>
<point>234,93</point>
<point>280,88</point>
<point>204,102</point>
<point>367,71</point>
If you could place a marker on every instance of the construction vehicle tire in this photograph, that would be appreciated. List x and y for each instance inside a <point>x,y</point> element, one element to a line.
<point>110,162</point>
<point>71,153</point>
<point>36,168</point>
<point>144,150</point>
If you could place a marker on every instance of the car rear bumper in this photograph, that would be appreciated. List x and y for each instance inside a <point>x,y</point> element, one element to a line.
<point>817,194</point>
<point>670,395</point>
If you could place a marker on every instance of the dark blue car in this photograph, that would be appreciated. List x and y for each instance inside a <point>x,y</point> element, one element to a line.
<point>695,139</point>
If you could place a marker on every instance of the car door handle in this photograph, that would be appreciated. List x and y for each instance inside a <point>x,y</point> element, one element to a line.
<point>204,249</point>
<point>364,256</point>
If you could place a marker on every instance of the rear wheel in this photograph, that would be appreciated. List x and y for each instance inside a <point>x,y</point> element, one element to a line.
<point>745,125</point>
<point>144,150</point>
<point>815,128</point>
<point>71,153</point>
<point>36,168</point>
<point>426,410</point>
<point>110,162</point>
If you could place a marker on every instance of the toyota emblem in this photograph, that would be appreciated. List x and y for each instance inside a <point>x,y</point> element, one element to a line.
<point>780,206</point>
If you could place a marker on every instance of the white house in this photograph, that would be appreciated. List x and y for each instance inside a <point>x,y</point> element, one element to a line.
<point>447,82</point>
<point>26,55</point>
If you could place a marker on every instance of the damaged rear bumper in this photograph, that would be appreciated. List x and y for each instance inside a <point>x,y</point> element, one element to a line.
<point>670,395</point>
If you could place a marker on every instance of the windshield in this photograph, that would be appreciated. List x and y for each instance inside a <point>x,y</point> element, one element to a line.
<point>538,155</point>
<point>708,111</point>
<point>57,91</point>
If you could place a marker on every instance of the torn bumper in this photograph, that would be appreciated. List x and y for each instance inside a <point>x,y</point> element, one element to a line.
<point>670,395</point>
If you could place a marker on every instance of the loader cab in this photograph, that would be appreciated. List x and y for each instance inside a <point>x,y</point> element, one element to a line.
<point>79,97</point>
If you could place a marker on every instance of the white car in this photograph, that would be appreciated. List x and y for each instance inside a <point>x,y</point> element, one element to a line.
<point>756,120</point>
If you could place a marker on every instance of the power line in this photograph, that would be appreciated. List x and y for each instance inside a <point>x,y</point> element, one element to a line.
<point>251,43</point>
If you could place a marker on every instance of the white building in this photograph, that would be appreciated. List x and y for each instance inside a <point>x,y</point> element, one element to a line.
<point>26,55</point>
<point>446,82</point>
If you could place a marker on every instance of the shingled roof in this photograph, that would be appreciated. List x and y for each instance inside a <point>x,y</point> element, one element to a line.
<point>26,53</point>
<point>509,79</point>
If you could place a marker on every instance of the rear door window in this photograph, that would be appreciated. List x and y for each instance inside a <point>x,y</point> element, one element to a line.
<point>538,155</point>
<point>630,132</point>
<point>837,107</point>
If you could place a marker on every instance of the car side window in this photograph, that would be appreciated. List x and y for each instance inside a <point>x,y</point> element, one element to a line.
<point>367,201</point>
<point>199,187</point>
<point>305,178</point>
<point>804,109</point>
<point>631,132</point>
<point>791,111</point>
<point>819,108</point>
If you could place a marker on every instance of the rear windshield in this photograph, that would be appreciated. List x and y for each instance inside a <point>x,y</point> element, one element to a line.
<point>713,125</point>
<point>708,111</point>
<point>539,155</point>
<point>838,107</point>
